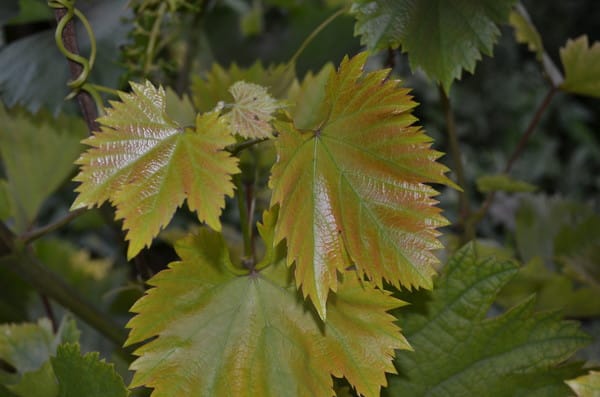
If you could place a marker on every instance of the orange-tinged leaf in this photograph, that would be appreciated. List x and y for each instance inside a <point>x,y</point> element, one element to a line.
<point>252,110</point>
<point>352,190</point>
<point>222,334</point>
<point>146,164</point>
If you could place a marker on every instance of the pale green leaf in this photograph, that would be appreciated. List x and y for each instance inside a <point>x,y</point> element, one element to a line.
<point>85,375</point>
<point>180,109</point>
<point>252,110</point>
<point>502,182</point>
<point>37,153</point>
<point>146,164</point>
<point>586,385</point>
<point>459,351</point>
<point>222,334</point>
<point>441,37</point>
<point>582,67</point>
<point>352,190</point>
<point>209,91</point>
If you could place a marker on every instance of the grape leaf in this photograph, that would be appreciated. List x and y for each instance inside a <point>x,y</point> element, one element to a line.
<point>252,110</point>
<point>38,383</point>
<point>307,98</point>
<point>553,291</point>
<point>352,190</point>
<point>582,67</point>
<point>207,92</point>
<point>223,334</point>
<point>37,153</point>
<point>26,347</point>
<point>458,351</point>
<point>85,375</point>
<point>586,385</point>
<point>146,164</point>
<point>441,37</point>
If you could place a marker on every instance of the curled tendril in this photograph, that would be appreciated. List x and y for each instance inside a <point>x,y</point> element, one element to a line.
<point>80,83</point>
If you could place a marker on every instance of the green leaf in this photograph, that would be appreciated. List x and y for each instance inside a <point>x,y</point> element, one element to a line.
<point>577,248</point>
<point>582,67</point>
<point>502,182</point>
<point>357,184</point>
<point>147,164</point>
<point>586,385</point>
<point>307,98</point>
<point>38,383</point>
<point>209,91</point>
<point>553,291</point>
<point>28,346</point>
<point>5,206</point>
<point>85,375</point>
<point>252,111</point>
<point>459,351</point>
<point>222,334</point>
<point>37,154</point>
<point>441,37</point>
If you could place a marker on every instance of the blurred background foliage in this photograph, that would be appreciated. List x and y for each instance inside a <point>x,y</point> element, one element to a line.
<point>554,231</point>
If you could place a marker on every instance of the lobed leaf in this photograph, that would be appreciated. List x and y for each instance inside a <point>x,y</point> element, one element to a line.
<point>147,164</point>
<point>582,67</point>
<point>252,110</point>
<point>37,154</point>
<point>85,375</point>
<point>352,188</point>
<point>441,37</point>
<point>220,333</point>
<point>208,91</point>
<point>459,351</point>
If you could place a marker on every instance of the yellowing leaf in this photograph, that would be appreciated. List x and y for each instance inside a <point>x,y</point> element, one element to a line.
<point>252,110</point>
<point>352,190</point>
<point>582,67</point>
<point>221,334</point>
<point>146,164</point>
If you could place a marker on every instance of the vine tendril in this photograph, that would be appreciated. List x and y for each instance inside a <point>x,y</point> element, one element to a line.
<point>80,83</point>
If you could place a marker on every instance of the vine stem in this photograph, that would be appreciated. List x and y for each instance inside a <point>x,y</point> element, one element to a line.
<point>315,33</point>
<point>463,197</point>
<point>28,237</point>
<point>477,216</point>
<point>85,100</point>
<point>154,37</point>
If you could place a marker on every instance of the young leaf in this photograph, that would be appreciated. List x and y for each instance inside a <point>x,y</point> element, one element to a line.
<point>85,375</point>
<point>308,97</point>
<point>252,110</point>
<point>441,37</point>
<point>586,385</point>
<point>222,334</point>
<point>582,67</point>
<point>352,190</point>
<point>207,92</point>
<point>458,351</point>
<point>147,164</point>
